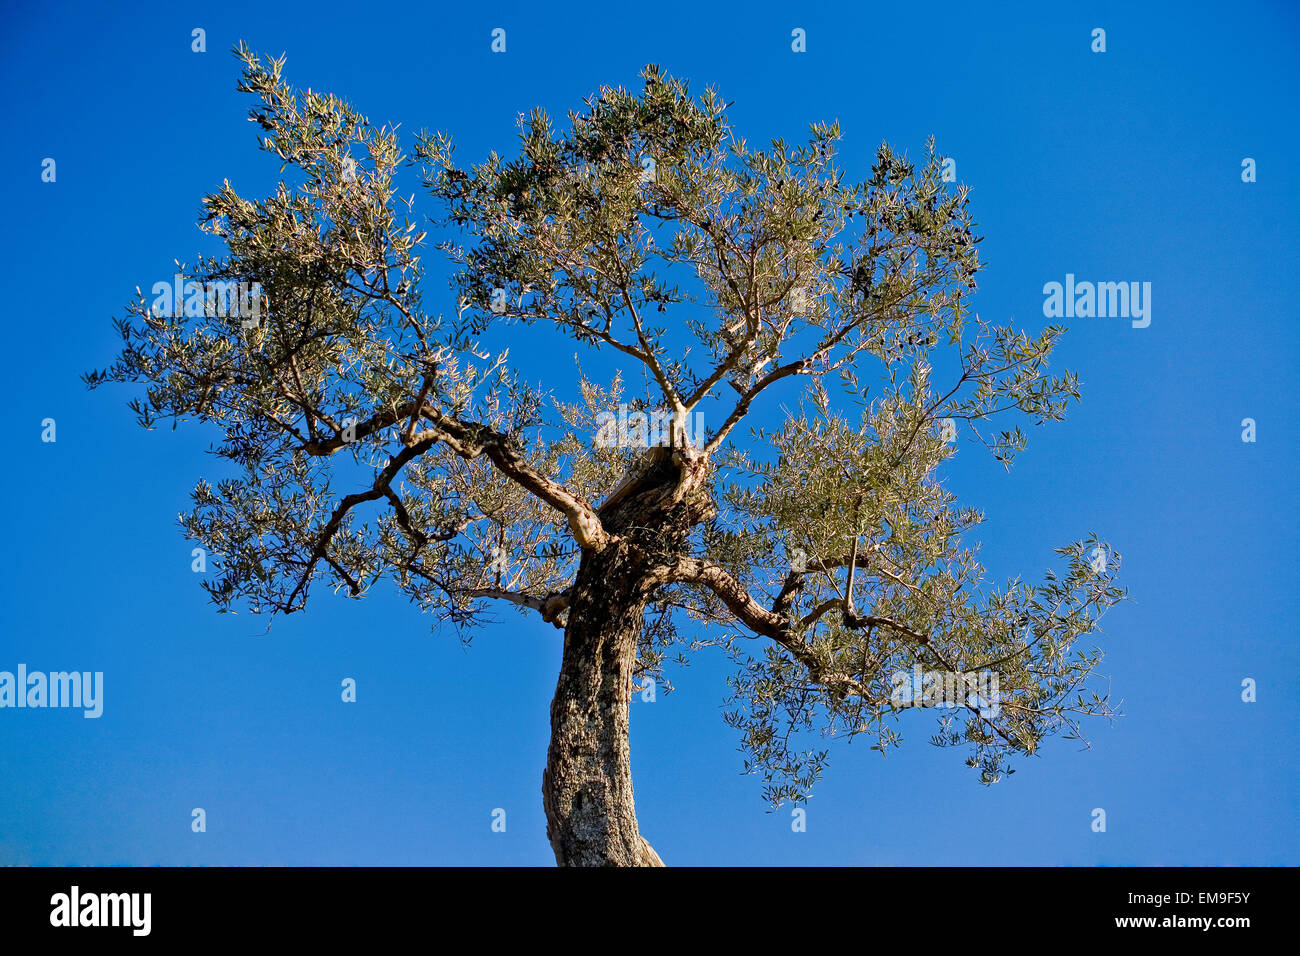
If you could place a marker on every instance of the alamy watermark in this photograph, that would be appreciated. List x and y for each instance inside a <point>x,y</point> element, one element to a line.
<point>216,298</point>
<point>919,688</point>
<point>1104,300</point>
<point>56,689</point>
<point>637,429</point>
<point>75,908</point>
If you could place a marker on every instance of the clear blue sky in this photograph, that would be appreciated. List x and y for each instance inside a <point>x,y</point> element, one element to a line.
<point>1117,166</point>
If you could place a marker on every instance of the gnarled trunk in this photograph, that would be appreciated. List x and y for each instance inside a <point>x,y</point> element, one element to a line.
<point>587,786</point>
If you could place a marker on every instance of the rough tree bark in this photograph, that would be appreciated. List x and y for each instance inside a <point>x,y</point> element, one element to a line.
<point>587,785</point>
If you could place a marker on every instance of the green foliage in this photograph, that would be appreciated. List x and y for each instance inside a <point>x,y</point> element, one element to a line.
<point>715,271</point>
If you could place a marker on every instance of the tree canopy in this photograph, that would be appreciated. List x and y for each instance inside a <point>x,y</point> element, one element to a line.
<point>820,326</point>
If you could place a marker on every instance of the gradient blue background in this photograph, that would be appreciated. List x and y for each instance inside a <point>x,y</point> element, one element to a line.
<point>1122,166</point>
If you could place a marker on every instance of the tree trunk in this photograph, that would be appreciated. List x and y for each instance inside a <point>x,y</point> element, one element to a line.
<point>587,786</point>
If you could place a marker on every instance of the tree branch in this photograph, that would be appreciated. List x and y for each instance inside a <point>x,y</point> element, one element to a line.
<point>551,607</point>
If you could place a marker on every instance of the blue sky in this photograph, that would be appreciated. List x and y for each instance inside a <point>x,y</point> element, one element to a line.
<point>1124,165</point>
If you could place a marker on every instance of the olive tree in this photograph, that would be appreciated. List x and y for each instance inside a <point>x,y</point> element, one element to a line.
<point>805,340</point>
